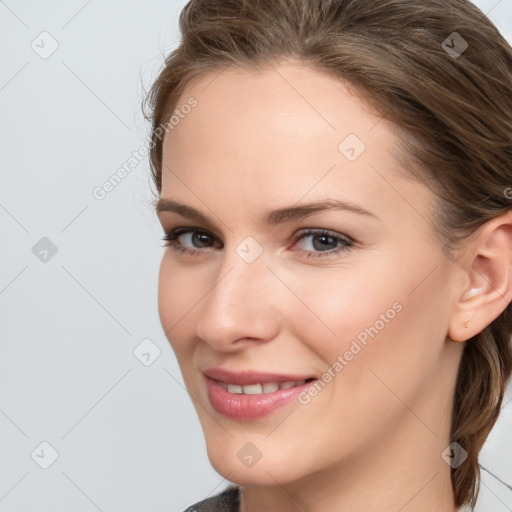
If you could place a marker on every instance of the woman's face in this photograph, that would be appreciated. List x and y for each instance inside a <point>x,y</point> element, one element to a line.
<point>357,296</point>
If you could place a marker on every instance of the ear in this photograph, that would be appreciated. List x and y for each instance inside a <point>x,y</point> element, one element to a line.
<point>488,268</point>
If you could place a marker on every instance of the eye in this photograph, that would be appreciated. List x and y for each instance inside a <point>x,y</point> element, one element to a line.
<point>199,240</point>
<point>321,242</point>
<point>316,242</point>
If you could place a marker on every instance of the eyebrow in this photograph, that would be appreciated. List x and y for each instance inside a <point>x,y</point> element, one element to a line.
<point>273,217</point>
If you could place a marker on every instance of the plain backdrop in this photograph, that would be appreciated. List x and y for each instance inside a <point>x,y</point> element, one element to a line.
<point>93,412</point>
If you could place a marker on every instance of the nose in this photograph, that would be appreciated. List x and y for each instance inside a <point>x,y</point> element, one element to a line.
<point>241,307</point>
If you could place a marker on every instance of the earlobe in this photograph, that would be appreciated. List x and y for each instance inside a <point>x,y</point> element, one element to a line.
<point>489,274</point>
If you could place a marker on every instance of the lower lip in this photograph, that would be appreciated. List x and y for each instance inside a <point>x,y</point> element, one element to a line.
<point>238,406</point>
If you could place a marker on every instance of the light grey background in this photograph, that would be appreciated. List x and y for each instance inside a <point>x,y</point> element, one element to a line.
<point>125,435</point>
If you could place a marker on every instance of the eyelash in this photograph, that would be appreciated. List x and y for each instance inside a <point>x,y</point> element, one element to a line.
<point>346,243</point>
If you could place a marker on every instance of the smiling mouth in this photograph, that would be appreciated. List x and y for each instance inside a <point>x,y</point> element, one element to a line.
<point>261,388</point>
<point>251,395</point>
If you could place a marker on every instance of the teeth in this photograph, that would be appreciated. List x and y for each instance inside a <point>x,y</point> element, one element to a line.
<point>234,388</point>
<point>258,389</point>
<point>252,389</point>
<point>270,387</point>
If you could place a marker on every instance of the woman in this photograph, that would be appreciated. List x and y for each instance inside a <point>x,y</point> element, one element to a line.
<point>333,180</point>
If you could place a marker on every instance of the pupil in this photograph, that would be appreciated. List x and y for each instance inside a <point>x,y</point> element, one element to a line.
<point>201,238</point>
<point>329,239</point>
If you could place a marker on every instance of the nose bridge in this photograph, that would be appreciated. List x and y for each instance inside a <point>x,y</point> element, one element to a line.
<point>239,303</point>
<point>242,270</point>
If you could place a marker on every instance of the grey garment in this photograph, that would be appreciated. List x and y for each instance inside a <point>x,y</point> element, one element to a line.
<point>226,501</point>
<point>229,501</point>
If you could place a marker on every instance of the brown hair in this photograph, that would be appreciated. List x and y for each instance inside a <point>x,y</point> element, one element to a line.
<point>453,114</point>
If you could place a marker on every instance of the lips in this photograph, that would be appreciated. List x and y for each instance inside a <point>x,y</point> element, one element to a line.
<point>246,378</point>
<point>251,395</point>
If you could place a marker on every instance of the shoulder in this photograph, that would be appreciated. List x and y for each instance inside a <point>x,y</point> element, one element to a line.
<point>226,501</point>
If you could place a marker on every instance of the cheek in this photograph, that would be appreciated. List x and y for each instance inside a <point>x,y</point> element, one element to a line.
<point>339,306</point>
<point>178,293</point>
<point>365,325</point>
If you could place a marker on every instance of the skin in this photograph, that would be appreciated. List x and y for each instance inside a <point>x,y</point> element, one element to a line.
<point>372,438</point>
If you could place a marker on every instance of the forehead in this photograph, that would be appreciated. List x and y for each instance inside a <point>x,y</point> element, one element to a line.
<point>281,105</point>
<point>285,131</point>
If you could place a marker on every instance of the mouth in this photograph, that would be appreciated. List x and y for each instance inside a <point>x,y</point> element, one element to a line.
<point>247,396</point>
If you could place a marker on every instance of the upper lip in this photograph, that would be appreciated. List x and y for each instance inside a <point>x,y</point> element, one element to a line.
<point>247,377</point>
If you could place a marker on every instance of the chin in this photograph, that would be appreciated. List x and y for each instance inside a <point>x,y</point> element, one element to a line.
<point>233,462</point>
<point>258,476</point>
